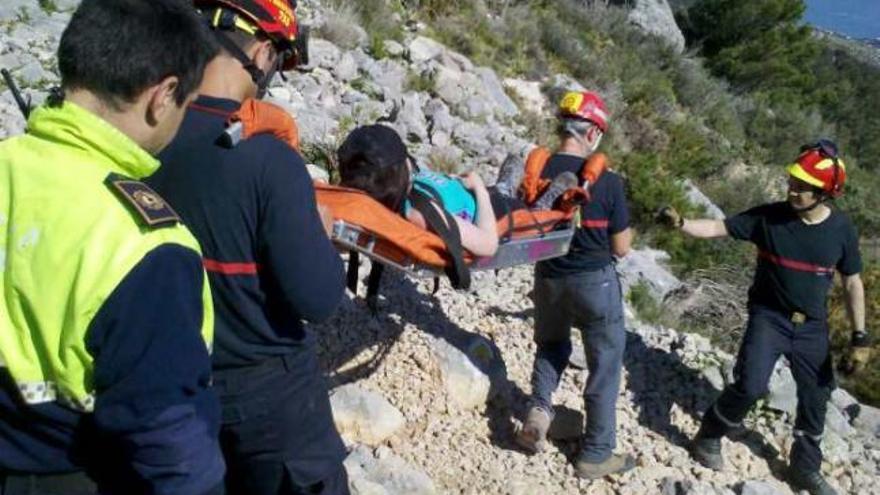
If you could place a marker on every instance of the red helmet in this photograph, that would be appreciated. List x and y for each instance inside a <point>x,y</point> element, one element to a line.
<point>820,166</point>
<point>585,105</point>
<point>274,18</point>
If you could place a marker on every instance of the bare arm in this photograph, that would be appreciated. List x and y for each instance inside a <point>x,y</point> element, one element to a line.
<point>854,295</point>
<point>621,242</point>
<point>704,228</point>
<point>480,238</point>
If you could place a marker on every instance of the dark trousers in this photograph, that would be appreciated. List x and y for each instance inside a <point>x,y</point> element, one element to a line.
<point>278,436</point>
<point>591,301</point>
<point>770,334</point>
<point>57,484</point>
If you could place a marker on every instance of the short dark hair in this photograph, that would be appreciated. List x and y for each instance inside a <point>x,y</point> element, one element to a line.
<point>118,48</point>
<point>373,159</point>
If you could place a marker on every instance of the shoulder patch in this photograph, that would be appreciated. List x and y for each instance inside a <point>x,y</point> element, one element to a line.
<point>144,202</point>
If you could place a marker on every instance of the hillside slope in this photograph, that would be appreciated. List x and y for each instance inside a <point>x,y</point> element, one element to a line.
<point>427,394</point>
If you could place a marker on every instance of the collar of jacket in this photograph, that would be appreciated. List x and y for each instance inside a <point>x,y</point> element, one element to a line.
<point>73,126</point>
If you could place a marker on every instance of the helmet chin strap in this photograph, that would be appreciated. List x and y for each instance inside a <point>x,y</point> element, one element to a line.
<point>822,199</point>
<point>259,77</point>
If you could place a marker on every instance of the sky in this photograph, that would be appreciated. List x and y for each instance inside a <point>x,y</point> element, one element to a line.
<point>855,18</point>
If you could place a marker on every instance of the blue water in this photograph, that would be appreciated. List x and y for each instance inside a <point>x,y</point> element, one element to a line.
<point>855,18</point>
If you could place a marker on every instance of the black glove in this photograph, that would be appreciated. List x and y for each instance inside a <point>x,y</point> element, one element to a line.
<point>859,354</point>
<point>669,217</point>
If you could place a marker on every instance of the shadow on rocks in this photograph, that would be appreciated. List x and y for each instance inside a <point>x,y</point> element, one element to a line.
<point>658,380</point>
<point>354,329</point>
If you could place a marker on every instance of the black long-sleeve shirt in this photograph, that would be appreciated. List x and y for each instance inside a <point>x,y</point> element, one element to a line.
<point>253,210</point>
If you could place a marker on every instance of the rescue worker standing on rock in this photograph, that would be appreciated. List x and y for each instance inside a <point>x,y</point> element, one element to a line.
<point>271,265</point>
<point>94,377</point>
<point>581,288</point>
<point>801,243</point>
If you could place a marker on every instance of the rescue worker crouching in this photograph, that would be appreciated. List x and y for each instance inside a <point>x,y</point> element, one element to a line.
<point>801,243</point>
<point>92,377</point>
<point>271,265</point>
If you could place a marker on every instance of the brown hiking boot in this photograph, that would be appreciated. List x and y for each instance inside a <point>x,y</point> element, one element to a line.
<point>532,436</point>
<point>613,465</point>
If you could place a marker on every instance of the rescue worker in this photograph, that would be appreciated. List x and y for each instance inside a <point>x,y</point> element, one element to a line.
<point>271,265</point>
<point>801,243</point>
<point>93,376</point>
<point>581,288</point>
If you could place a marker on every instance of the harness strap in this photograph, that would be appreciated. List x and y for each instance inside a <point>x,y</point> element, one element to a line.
<point>351,276</point>
<point>458,272</point>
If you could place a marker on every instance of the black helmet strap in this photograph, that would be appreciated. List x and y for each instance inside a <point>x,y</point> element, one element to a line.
<point>226,22</point>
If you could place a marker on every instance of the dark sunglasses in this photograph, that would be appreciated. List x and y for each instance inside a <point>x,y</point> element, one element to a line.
<point>826,147</point>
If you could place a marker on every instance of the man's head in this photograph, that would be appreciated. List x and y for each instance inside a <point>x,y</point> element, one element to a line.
<point>817,175</point>
<point>583,118</point>
<point>262,35</point>
<point>139,60</point>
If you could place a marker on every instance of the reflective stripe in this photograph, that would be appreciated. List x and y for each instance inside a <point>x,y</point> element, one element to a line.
<point>727,422</point>
<point>43,392</point>
<point>596,224</point>
<point>791,264</point>
<point>202,108</point>
<point>802,433</point>
<point>215,266</point>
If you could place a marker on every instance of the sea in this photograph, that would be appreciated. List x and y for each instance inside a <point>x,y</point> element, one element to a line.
<point>858,19</point>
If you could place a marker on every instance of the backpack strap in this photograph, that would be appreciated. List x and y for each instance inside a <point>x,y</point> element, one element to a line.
<point>594,166</point>
<point>533,185</point>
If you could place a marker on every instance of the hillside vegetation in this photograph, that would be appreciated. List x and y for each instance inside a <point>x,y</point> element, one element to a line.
<point>754,84</point>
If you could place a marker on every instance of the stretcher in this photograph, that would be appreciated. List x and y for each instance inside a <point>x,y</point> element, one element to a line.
<point>364,226</point>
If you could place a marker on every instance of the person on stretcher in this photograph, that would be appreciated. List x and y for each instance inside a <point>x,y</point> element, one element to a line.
<point>374,159</point>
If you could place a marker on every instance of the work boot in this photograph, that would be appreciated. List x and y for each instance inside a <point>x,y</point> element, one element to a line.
<point>510,175</point>
<point>707,451</point>
<point>561,183</point>
<point>532,436</point>
<point>614,464</point>
<point>812,482</point>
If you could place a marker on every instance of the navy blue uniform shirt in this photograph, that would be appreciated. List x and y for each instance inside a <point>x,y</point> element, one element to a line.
<point>796,261</point>
<point>252,209</point>
<point>604,215</point>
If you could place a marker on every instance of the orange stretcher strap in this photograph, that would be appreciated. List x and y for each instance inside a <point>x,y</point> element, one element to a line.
<point>260,117</point>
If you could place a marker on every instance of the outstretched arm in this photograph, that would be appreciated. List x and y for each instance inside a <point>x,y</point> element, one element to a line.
<point>704,228</point>
<point>701,228</point>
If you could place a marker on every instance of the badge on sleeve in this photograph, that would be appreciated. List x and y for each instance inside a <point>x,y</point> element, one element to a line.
<point>143,201</point>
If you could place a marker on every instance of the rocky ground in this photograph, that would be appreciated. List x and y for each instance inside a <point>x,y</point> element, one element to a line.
<point>428,392</point>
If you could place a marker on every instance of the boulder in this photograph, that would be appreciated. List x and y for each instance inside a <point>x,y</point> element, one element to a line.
<point>346,69</point>
<point>363,416</point>
<point>528,93</point>
<point>754,487</point>
<point>645,265</point>
<point>867,421</point>
<point>504,106</point>
<point>783,390</point>
<point>393,48</point>
<point>422,49</point>
<point>655,17</point>
<point>323,53</point>
<point>371,471</point>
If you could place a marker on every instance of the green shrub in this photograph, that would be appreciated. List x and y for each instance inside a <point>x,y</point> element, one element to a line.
<point>865,385</point>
